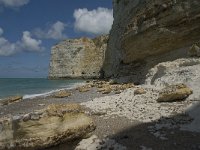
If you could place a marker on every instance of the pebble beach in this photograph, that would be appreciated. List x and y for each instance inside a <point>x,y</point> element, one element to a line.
<point>127,120</point>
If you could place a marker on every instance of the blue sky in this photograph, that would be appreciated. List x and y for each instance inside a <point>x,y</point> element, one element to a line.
<point>28,29</point>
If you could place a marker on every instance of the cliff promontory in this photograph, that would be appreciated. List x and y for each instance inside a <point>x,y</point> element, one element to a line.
<point>148,31</point>
<point>144,33</point>
<point>78,58</point>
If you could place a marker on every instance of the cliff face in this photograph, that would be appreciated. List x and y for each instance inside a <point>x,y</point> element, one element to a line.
<point>146,31</point>
<point>78,58</point>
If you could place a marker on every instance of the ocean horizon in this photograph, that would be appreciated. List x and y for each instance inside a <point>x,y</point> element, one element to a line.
<point>33,87</point>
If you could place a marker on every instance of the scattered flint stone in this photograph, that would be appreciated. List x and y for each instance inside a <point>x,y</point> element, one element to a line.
<point>17,117</point>
<point>41,104</point>
<point>100,89</point>
<point>112,81</point>
<point>10,100</point>
<point>98,113</point>
<point>35,116</point>
<point>117,92</point>
<point>39,112</point>
<point>83,89</point>
<point>107,91</point>
<point>26,117</point>
<point>88,81</point>
<point>174,93</point>
<point>99,86</point>
<point>139,91</point>
<point>126,86</point>
<point>62,94</point>
<point>94,143</point>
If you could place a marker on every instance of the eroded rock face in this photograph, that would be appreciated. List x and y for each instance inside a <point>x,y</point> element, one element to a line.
<point>185,70</point>
<point>78,58</point>
<point>148,28</point>
<point>45,128</point>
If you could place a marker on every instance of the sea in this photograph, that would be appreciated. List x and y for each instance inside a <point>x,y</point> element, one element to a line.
<point>33,87</point>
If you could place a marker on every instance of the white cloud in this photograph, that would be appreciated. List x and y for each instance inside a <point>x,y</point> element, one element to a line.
<point>30,44</point>
<point>97,21</point>
<point>55,31</point>
<point>13,3</point>
<point>27,43</point>
<point>7,48</point>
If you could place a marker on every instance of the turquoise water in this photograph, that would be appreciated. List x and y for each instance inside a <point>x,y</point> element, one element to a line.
<point>32,86</point>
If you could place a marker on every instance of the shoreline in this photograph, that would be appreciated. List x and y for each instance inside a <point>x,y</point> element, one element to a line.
<point>45,92</point>
<point>39,101</point>
<point>110,113</point>
<point>52,92</point>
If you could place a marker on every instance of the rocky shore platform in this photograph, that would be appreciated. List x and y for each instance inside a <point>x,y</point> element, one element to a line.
<point>161,114</point>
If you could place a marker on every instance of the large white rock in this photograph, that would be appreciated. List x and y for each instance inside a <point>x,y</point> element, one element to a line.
<point>185,70</point>
<point>51,126</point>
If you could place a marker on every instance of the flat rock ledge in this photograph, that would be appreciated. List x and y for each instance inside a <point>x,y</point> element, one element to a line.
<point>62,94</point>
<point>45,128</point>
<point>174,93</point>
<point>10,100</point>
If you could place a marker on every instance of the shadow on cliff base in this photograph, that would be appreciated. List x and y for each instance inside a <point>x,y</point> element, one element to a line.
<point>137,71</point>
<point>141,136</point>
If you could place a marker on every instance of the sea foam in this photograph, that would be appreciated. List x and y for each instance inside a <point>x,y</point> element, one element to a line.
<point>45,94</point>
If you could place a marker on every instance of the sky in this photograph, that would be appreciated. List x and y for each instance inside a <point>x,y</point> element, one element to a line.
<point>29,28</point>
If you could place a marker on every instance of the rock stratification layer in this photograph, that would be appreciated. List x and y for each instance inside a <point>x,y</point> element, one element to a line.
<point>148,28</point>
<point>45,128</point>
<point>78,58</point>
